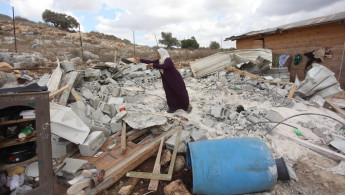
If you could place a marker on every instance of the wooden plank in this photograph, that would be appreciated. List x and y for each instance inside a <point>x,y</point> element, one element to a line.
<point>4,166</point>
<point>153,185</point>
<point>292,91</point>
<point>12,122</point>
<point>325,152</point>
<point>13,142</point>
<point>123,138</point>
<point>115,173</point>
<point>166,177</point>
<point>340,111</point>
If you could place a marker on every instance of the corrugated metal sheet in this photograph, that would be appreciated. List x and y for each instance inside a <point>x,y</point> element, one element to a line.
<point>310,22</point>
<point>220,61</point>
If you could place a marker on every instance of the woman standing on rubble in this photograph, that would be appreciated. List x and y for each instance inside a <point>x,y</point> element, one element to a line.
<point>173,84</point>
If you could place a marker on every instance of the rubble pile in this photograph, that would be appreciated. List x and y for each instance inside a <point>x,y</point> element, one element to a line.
<point>106,102</point>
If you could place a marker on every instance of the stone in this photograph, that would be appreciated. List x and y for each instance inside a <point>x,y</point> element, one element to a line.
<point>180,164</point>
<point>198,135</point>
<point>274,116</point>
<point>166,157</point>
<point>89,56</point>
<point>97,115</point>
<point>92,143</point>
<point>176,187</point>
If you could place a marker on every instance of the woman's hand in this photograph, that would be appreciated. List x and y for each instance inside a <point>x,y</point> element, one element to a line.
<point>137,59</point>
<point>149,66</point>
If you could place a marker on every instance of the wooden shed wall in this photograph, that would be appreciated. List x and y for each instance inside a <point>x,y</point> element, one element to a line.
<point>302,40</point>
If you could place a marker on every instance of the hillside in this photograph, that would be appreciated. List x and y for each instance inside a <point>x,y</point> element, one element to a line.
<point>53,43</point>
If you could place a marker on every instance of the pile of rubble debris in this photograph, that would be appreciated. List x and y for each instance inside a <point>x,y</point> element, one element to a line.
<point>116,114</point>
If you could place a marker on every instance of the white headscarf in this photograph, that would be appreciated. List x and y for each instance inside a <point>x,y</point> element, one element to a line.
<point>164,55</point>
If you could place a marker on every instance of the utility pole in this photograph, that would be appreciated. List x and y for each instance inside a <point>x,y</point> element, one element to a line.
<point>81,45</point>
<point>14,32</point>
<point>134,42</point>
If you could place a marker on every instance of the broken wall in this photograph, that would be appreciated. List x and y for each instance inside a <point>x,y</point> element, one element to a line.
<point>302,40</point>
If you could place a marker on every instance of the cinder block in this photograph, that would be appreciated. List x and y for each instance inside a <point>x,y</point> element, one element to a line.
<point>105,119</point>
<point>92,143</point>
<point>115,127</point>
<point>60,149</point>
<point>208,122</point>
<point>115,100</point>
<point>198,135</point>
<point>185,137</point>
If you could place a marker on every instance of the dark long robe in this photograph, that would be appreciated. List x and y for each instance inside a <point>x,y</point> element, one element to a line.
<point>173,84</point>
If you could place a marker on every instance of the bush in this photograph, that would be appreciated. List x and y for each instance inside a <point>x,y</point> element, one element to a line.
<point>169,40</point>
<point>214,45</point>
<point>189,43</point>
<point>60,20</point>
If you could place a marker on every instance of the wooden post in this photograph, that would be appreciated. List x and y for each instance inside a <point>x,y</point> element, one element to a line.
<point>123,138</point>
<point>14,32</point>
<point>292,91</point>
<point>51,96</point>
<point>81,45</point>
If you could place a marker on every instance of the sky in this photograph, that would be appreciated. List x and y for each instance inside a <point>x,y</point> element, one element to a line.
<point>206,20</point>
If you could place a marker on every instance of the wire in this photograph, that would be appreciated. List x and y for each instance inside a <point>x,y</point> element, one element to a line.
<point>281,122</point>
<point>272,122</point>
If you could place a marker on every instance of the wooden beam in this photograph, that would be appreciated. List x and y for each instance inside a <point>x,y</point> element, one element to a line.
<point>340,111</point>
<point>166,177</point>
<point>292,91</point>
<point>323,151</point>
<point>115,173</point>
<point>51,96</point>
<point>123,138</point>
<point>156,169</point>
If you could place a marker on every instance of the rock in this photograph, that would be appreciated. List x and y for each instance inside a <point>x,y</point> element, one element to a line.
<point>176,188</point>
<point>166,157</point>
<point>89,56</point>
<point>180,163</point>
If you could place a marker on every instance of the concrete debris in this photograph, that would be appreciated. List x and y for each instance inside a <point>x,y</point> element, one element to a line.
<point>69,78</point>
<point>67,66</point>
<point>185,137</point>
<point>317,100</point>
<point>176,187</point>
<point>60,149</point>
<point>71,166</point>
<point>339,144</point>
<point>198,135</point>
<point>274,116</point>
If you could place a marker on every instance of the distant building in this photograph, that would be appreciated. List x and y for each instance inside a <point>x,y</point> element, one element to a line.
<point>302,37</point>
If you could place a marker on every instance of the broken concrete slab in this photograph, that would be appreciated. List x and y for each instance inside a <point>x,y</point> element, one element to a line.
<point>92,143</point>
<point>116,127</point>
<point>94,73</point>
<point>300,106</point>
<point>317,100</point>
<point>219,112</point>
<point>69,79</point>
<point>139,120</point>
<point>86,93</point>
<point>105,119</point>
<point>60,149</point>
<point>97,115</point>
<point>185,137</point>
<point>79,109</point>
<point>67,66</point>
<point>115,100</point>
<point>119,116</point>
<point>208,122</point>
<point>65,123</point>
<point>71,167</point>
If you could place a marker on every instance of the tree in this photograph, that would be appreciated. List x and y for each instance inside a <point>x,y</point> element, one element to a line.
<point>214,45</point>
<point>189,43</point>
<point>168,40</point>
<point>60,20</point>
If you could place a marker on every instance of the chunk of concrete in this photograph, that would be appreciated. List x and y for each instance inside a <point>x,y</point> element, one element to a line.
<point>105,119</point>
<point>116,127</point>
<point>115,100</point>
<point>86,93</point>
<point>208,122</point>
<point>97,115</point>
<point>69,79</point>
<point>92,143</point>
<point>274,116</point>
<point>339,144</point>
<point>67,66</point>
<point>300,106</point>
<point>119,116</point>
<point>185,137</point>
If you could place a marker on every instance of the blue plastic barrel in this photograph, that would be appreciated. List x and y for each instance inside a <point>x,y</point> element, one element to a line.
<point>231,166</point>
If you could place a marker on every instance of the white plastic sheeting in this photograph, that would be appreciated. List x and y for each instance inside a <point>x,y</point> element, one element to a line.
<point>66,124</point>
